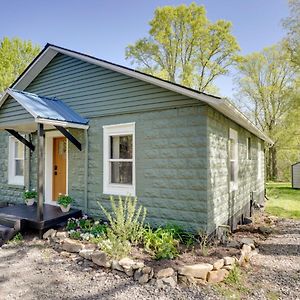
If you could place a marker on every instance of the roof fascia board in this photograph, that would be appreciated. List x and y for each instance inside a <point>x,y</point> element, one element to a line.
<point>35,69</point>
<point>61,123</point>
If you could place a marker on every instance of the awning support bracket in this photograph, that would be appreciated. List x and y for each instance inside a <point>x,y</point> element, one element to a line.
<point>21,139</point>
<point>69,136</point>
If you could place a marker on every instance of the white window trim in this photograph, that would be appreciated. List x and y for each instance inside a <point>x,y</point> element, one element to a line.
<point>259,161</point>
<point>12,178</point>
<point>234,136</point>
<point>112,188</point>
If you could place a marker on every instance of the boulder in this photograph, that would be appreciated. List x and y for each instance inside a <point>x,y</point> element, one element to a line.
<point>49,233</point>
<point>100,258</point>
<point>218,264</point>
<point>197,271</point>
<point>72,245</point>
<point>86,253</point>
<point>217,276</point>
<point>228,260</point>
<point>163,273</point>
<point>188,280</point>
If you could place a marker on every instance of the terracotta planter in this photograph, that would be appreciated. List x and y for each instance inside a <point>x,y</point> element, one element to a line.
<point>65,209</point>
<point>30,201</point>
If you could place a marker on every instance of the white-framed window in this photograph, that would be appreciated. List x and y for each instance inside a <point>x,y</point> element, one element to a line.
<point>259,161</point>
<point>15,162</point>
<point>233,159</point>
<point>119,159</point>
<point>249,148</point>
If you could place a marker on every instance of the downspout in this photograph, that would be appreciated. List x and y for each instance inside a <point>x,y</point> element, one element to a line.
<point>86,167</point>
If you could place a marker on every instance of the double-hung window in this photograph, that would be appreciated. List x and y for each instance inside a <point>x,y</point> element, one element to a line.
<point>119,159</point>
<point>233,159</point>
<point>15,162</point>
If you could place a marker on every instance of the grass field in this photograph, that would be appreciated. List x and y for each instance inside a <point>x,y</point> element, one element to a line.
<point>283,200</point>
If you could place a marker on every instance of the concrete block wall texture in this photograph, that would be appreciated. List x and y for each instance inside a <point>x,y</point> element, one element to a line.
<point>223,204</point>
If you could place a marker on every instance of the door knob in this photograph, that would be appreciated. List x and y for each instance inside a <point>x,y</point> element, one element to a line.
<point>55,173</point>
<point>55,167</point>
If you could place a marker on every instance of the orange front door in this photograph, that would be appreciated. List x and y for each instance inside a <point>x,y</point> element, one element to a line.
<point>59,180</point>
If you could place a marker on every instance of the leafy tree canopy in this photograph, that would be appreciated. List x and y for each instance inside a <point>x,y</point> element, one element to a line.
<point>183,46</point>
<point>15,55</point>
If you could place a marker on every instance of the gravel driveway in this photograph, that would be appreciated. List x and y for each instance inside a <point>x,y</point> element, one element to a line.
<point>35,271</point>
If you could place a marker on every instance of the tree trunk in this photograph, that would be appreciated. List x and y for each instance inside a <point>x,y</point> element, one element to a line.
<point>272,171</point>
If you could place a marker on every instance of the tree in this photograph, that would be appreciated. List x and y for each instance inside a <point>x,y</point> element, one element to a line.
<point>292,24</point>
<point>15,55</point>
<point>266,80</point>
<point>183,46</point>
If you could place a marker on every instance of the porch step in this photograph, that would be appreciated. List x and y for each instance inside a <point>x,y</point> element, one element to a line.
<point>6,233</point>
<point>11,221</point>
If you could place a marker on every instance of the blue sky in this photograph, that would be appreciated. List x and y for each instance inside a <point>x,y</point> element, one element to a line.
<point>104,28</point>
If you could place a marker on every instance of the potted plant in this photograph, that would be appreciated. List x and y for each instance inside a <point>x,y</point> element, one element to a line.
<point>65,202</point>
<point>29,196</point>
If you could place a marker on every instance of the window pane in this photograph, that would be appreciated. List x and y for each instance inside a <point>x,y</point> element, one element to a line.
<point>19,150</point>
<point>121,172</point>
<point>19,167</point>
<point>121,147</point>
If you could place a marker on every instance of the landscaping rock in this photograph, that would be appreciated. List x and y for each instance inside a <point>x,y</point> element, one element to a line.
<point>100,258</point>
<point>218,264</point>
<point>49,233</point>
<point>170,281</point>
<point>228,260</point>
<point>116,266</point>
<point>217,276</point>
<point>146,270</point>
<point>245,252</point>
<point>265,230</point>
<point>228,268</point>
<point>62,234</point>
<point>197,271</point>
<point>188,280</point>
<point>233,244</point>
<point>72,245</point>
<point>163,273</point>
<point>137,274</point>
<point>86,253</point>
<point>90,246</point>
<point>248,241</point>
<point>144,279</point>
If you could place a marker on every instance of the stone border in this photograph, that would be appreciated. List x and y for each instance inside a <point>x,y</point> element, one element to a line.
<point>201,273</point>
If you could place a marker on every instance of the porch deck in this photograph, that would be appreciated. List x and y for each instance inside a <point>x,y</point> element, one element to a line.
<point>27,216</point>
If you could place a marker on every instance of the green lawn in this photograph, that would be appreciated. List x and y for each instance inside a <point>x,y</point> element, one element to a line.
<point>283,200</point>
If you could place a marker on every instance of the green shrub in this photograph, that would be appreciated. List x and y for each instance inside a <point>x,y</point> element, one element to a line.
<point>126,219</point>
<point>161,243</point>
<point>184,237</point>
<point>114,246</point>
<point>76,235</point>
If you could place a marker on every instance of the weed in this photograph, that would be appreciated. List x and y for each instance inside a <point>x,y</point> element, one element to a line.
<point>17,239</point>
<point>203,242</point>
<point>234,276</point>
<point>126,219</point>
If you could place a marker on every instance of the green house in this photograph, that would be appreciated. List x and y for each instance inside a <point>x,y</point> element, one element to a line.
<point>103,129</point>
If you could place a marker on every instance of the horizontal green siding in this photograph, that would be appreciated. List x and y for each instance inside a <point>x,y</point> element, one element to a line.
<point>95,91</point>
<point>11,111</point>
